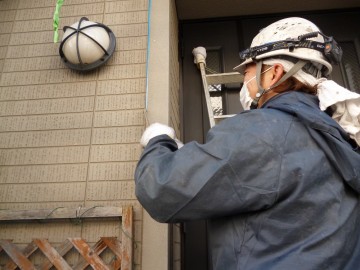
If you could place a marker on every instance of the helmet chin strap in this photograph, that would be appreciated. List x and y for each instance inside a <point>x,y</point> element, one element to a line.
<point>300,64</point>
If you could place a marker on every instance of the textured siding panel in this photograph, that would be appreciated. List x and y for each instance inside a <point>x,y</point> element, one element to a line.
<point>50,3</point>
<point>120,102</point>
<point>34,50</point>
<point>126,18</point>
<point>43,77</point>
<point>46,106</point>
<point>131,43</point>
<point>45,122</point>
<point>31,38</point>
<point>7,15</point>
<point>125,86</point>
<point>123,152</point>
<point>8,4</point>
<point>128,57</point>
<point>4,39</point>
<point>59,173</point>
<point>70,139</point>
<point>125,6</point>
<point>32,26</point>
<point>47,91</point>
<point>102,191</point>
<point>49,192</point>
<point>2,52</point>
<point>66,11</point>
<point>75,154</point>
<point>34,14</point>
<point>46,24</point>
<point>116,135</point>
<point>119,118</point>
<point>5,27</point>
<point>130,30</point>
<point>45,138</point>
<point>23,64</point>
<point>112,171</point>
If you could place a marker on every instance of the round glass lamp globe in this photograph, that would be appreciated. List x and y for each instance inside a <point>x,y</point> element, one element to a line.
<point>89,50</point>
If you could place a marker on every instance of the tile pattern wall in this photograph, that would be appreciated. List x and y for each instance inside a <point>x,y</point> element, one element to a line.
<point>69,139</point>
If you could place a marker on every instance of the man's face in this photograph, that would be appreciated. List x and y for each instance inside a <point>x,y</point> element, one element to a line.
<point>249,78</point>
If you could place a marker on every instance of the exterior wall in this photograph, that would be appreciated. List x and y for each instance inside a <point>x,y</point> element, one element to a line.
<point>175,117</point>
<point>162,105</point>
<point>174,71</point>
<point>70,139</point>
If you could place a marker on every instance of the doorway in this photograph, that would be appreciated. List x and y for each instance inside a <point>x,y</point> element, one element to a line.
<point>223,39</point>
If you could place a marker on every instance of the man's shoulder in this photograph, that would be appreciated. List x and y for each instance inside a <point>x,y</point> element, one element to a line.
<point>265,115</point>
<point>258,123</point>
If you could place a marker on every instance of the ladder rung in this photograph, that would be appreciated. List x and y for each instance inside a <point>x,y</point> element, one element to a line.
<point>224,116</point>
<point>218,118</point>
<point>221,78</point>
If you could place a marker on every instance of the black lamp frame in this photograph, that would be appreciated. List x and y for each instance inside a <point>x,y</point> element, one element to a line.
<point>77,31</point>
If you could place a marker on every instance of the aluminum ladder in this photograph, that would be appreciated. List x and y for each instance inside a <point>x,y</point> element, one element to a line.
<point>213,79</point>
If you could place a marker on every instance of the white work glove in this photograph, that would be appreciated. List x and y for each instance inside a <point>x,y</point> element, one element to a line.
<point>157,129</point>
<point>179,143</point>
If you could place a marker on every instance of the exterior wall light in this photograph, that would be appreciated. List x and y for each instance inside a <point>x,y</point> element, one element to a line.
<point>86,45</point>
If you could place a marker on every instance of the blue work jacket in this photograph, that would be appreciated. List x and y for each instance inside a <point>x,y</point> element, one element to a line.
<point>278,185</point>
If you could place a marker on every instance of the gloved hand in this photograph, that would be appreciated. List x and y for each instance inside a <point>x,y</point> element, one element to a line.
<point>157,129</point>
<point>179,143</point>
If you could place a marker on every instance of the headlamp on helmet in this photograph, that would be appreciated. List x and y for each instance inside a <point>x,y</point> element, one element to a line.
<point>330,48</point>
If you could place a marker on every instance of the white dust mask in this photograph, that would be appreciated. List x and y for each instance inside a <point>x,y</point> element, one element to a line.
<point>245,98</point>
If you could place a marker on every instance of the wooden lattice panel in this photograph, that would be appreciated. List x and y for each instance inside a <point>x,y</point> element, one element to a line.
<point>89,257</point>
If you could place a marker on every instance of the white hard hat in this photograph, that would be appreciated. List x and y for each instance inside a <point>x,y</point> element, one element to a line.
<point>294,37</point>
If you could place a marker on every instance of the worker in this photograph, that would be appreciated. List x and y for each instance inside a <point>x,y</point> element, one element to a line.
<point>278,183</point>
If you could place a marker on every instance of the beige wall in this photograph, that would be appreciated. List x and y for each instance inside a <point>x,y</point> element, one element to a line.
<point>163,101</point>
<point>69,139</point>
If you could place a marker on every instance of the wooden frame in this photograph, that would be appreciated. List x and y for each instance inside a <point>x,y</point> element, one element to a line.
<point>123,250</point>
<point>60,213</point>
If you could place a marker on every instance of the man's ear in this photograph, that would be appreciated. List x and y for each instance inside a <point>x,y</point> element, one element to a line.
<point>277,72</point>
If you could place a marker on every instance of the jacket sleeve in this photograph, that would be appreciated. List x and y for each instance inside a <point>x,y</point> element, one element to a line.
<point>233,172</point>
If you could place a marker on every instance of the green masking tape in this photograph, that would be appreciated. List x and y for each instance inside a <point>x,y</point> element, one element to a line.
<point>59,3</point>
